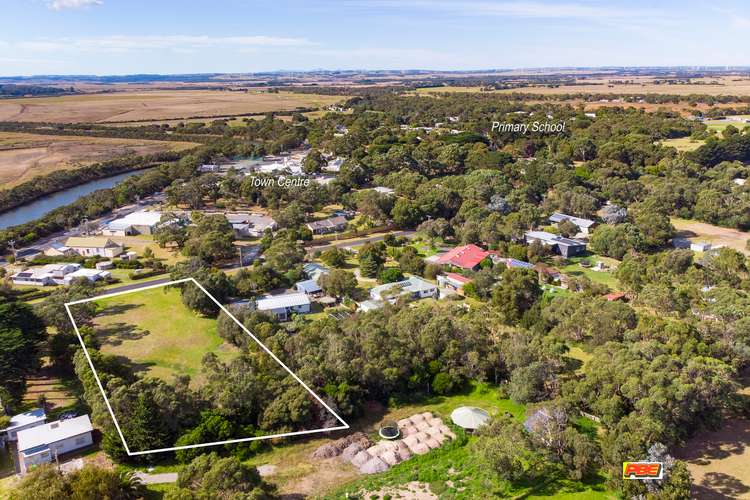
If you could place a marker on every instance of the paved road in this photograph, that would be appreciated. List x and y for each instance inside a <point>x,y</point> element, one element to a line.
<point>359,241</point>
<point>165,477</point>
<point>136,286</point>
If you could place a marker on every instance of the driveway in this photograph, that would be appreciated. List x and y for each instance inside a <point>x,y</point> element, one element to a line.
<point>164,477</point>
<point>359,241</point>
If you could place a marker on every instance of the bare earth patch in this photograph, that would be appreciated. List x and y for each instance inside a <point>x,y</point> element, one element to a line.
<point>720,461</point>
<point>154,105</point>
<point>700,231</point>
<point>24,156</point>
<point>409,491</point>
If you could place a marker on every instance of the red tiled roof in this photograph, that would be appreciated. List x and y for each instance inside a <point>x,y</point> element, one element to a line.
<point>458,277</point>
<point>614,296</point>
<point>465,257</point>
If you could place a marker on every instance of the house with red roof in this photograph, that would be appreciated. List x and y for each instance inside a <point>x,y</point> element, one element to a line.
<point>454,281</point>
<point>465,257</point>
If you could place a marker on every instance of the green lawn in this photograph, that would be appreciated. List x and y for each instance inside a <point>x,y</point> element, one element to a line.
<point>683,143</point>
<point>607,277</point>
<point>157,333</point>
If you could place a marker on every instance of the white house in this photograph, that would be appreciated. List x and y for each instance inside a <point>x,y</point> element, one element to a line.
<point>250,225</point>
<point>584,225</point>
<point>282,306</point>
<point>415,287</point>
<point>51,274</point>
<point>21,422</point>
<point>384,190</point>
<point>330,225</point>
<point>89,274</point>
<point>44,443</point>
<point>89,247</point>
<point>141,222</point>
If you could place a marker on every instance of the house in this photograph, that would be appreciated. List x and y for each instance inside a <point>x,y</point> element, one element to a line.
<point>585,226</point>
<point>89,247</point>
<point>384,190</point>
<point>370,305</point>
<point>308,287</point>
<point>465,257</point>
<point>208,168</point>
<point>250,225</point>
<point>330,225</point>
<point>454,281</point>
<point>515,263</point>
<point>22,421</point>
<point>90,274</point>
<point>564,246</point>
<point>551,275</point>
<point>414,287</point>
<point>57,249</point>
<point>45,443</point>
<point>141,222</point>
<point>615,296</point>
<point>282,306</point>
<point>51,274</point>
<point>313,270</point>
<point>700,246</point>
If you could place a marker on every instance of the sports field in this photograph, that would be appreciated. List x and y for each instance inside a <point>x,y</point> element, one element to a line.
<point>24,156</point>
<point>154,105</point>
<point>156,334</point>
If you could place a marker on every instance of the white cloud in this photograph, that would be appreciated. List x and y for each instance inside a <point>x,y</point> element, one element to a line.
<point>182,43</point>
<point>518,9</point>
<point>72,4</point>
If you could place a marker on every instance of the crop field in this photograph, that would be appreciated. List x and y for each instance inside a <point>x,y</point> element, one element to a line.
<point>156,334</point>
<point>147,106</point>
<point>24,156</point>
<point>646,85</point>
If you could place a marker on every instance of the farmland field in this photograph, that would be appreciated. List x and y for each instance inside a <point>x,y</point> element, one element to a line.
<point>133,326</point>
<point>154,105</point>
<point>24,156</point>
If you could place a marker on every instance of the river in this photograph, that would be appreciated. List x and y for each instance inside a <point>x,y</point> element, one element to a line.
<point>46,204</point>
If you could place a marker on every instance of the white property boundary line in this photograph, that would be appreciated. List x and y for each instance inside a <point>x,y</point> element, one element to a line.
<point>256,438</point>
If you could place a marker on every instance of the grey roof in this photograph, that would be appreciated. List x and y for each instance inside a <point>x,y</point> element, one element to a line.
<point>409,285</point>
<point>281,301</point>
<point>553,239</point>
<point>327,223</point>
<point>308,286</point>
<point>578,221</point>
<point>30,417</point>
<point>53,432</point>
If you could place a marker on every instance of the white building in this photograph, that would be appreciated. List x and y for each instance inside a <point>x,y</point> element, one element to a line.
<point>21,422</point>
<point>89,247</point>
<point>51,274</point>
<point>44,443</point>
<point>89,274</point>
<point>57,249</point>
<point>415,287</point>
<point>250,225</point>
<point>283,306</point>
<point>141,222</point>
<point>384,190</point>
<point>584,225</point>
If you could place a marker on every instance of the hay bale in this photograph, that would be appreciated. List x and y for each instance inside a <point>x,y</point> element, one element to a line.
<point>427,415</point>
<point>435,421</point>
<point>444,429</point>
<point>408,430</point>
<point>440,438</point>
<point>411,441</point>
<point>404,454</point>
<point>361,458</point>
<point>387,445</point>
<point>390,458</point>
<point>421,436</point>
<point>403,423</point>
<point>420,449</point>
<point>423,426</point>
<point>433,432</point>
<point>373,466</point>
<point>327,450</point>
<point>449,434</point>
<point>432,443</point>
<point>415,419</point>
<point>351,451</point>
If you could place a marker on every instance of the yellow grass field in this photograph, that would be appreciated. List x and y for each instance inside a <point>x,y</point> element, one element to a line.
<point>24,156</point>
<point>716,235</point>
<point>646,85</point>
<point>154,105</point>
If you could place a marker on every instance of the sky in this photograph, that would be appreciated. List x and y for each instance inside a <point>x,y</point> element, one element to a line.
<point>115,37</point>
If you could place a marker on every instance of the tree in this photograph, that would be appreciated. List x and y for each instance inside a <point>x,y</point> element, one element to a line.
<point>410,261</point>
<point>339,283</point>
<point>21,331</point>
<point>504,447</point>
<point>517,292</point>
<point>390,275</point>
<point>567,228</point>
<point>43,483</point>
<point>217,283</point>
<point>406,214</point>
<point>211,239</point>
<point>209,476</point>
<point>334,257</point>
<point>371,259</point>
<point>313,162</point>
